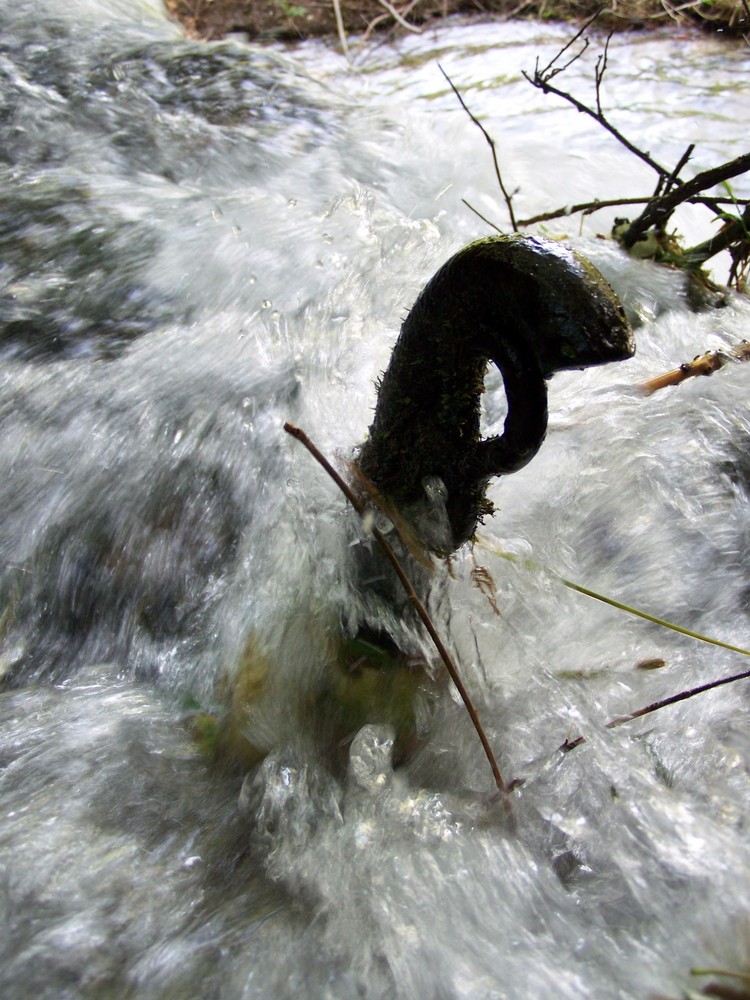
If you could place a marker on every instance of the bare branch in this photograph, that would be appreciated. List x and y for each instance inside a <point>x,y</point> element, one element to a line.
<point>340,27</point>
<point>667,196</point>
<point>746,7</point>
<point>491,143</point>
<point>659,209</point>
<point>403,13</point>
<point>541,80</point>
<point>397,16</point>
<point>587,207</point>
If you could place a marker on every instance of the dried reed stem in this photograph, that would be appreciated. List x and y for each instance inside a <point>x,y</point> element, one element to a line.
<point>704,364</point>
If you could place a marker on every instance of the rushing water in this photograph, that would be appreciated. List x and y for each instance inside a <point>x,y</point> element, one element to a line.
<point>198,243</point>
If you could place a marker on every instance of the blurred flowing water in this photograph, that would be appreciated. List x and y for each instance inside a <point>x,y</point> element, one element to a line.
<point>200,242</point>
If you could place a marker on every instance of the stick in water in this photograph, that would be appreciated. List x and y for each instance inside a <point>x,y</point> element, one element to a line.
<point>704,364</point>
<point>411,593</point>
<point>664,703</point>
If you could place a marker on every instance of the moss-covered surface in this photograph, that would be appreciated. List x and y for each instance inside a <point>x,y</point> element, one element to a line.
<point>296,19</point>
<point>533,308</point>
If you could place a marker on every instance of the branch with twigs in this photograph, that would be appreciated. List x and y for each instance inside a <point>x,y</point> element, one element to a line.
<point>589,207</point>
<point>542,78</point>
<point>670,190</point>
<point>661,206</point>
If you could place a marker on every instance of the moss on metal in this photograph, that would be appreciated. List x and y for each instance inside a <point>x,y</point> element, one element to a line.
<point>529,305</point>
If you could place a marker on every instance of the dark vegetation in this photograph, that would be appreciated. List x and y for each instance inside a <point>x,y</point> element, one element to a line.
<point>295,19</point>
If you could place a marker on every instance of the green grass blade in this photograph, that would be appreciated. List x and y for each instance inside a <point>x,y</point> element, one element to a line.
<point>651,618</point>
<point>587,592</point>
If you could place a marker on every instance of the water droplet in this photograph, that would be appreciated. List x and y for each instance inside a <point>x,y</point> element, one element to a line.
<point>266,304</point>
<point>327,238</point>
<point>252,279</point>
<point>292,202</point>
<point>217,214</point>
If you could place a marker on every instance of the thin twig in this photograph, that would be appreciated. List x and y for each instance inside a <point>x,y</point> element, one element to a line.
<point>482,217</point>
<point>746,7</point>
<point>682,696</point>
<point>491,143</point>
<point>599,71</point>
<point>652,618</point>
<point>546,87</point>
<point>695,971</point>
<point>655,706</point>
<point>398,17</point>
<point>541,79</point>
<point>405,11</point>
<point>340,27</point>
<point>550,69</point>
<point>672,179</point>
<point>619,605</point>
<point>445,656</point>
<point>587,207</point>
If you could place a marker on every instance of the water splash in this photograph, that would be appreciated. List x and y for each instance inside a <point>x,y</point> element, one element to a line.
<point>159,531</point>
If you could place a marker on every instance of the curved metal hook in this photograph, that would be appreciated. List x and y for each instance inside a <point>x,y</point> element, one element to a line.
<point>532,307</point>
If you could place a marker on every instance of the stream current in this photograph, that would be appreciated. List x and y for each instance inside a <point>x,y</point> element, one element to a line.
<point>201,242</point>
